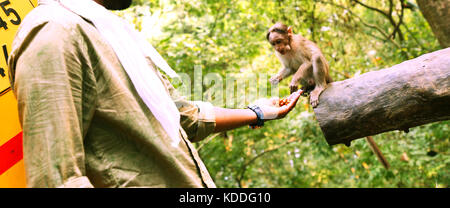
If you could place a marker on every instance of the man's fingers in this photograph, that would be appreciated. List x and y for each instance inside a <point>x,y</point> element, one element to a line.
<point>294,99</point>
<point>293,95</point>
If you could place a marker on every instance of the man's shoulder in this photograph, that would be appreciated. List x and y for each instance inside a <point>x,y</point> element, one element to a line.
<point>51,17</point>
<point>46,25</point>
<point>52,13</point>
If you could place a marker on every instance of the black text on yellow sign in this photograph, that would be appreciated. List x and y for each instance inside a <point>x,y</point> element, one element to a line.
<point>12,13</point>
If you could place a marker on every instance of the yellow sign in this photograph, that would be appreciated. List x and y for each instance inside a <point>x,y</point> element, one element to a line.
<point>12,172</point>
<point>12,13</point>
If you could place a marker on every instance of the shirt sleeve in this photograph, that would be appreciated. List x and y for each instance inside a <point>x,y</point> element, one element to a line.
<point>54,88</point>
<point>197,118</point>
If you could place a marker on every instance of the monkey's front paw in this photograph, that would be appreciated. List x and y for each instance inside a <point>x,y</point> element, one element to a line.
<point>275,80</point>
<point>293,87</point>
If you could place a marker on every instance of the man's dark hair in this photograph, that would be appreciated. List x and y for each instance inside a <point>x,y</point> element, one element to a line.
<point>117,4</point>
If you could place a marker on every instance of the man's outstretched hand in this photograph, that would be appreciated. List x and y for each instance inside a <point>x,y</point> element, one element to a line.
<point>275,109</point>
<point>227,119</point>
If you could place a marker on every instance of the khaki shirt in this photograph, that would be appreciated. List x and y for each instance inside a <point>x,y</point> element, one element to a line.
<point>84,124</point>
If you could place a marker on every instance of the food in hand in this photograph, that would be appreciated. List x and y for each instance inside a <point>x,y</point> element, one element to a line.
<point>284,101</point>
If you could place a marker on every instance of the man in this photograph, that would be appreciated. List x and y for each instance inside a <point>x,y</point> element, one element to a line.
<point>90,108</point>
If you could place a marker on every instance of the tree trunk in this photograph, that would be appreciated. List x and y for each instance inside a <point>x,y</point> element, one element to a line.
<point>409,94</point>
<point>437,13</point>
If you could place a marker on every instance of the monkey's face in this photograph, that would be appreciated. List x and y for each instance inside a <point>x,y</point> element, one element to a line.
<point>280,42</point>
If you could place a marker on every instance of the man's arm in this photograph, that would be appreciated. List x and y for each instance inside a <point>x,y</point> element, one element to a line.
<point>227,119</point>
<point>51,79</point>
<point>199,119</point>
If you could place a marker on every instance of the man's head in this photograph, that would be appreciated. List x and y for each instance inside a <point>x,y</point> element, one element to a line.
<point>114,4</point>
<point>280,36</point>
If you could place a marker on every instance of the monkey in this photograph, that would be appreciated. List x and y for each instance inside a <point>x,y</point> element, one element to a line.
<point>301,58</point>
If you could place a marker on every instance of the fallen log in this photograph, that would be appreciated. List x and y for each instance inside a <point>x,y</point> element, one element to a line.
<point>407,95</point>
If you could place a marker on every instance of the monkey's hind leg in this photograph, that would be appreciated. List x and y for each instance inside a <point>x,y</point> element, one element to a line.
<point>314,96</point>
<point>319,72</point>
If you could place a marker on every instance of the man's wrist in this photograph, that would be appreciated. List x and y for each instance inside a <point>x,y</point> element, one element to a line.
<point>259,116</point>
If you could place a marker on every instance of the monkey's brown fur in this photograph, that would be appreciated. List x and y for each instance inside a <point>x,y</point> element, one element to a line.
<point>299,57</point>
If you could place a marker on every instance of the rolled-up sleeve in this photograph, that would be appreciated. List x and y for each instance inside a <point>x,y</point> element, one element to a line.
<point>197,118</point>
<point>202,123</point>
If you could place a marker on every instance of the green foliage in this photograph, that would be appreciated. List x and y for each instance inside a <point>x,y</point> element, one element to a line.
<point>229,37</point>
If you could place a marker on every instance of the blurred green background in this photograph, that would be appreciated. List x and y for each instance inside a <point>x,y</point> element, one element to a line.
<point>228,37</point>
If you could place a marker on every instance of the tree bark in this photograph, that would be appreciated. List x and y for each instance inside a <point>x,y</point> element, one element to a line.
<point>437,13</point>
<point>409,94</point>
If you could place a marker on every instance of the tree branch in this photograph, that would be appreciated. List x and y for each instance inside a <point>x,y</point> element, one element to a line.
<point>407,95</point>
<point>247,164</point>
<point>213,27</point>
<point>386,36</point>
<point>397,25</point>
<point>372,8</point>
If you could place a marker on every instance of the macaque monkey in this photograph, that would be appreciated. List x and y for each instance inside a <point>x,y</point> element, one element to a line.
<point>299,57</point>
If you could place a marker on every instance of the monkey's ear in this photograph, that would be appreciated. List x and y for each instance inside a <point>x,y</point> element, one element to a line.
<point>289,30</point>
